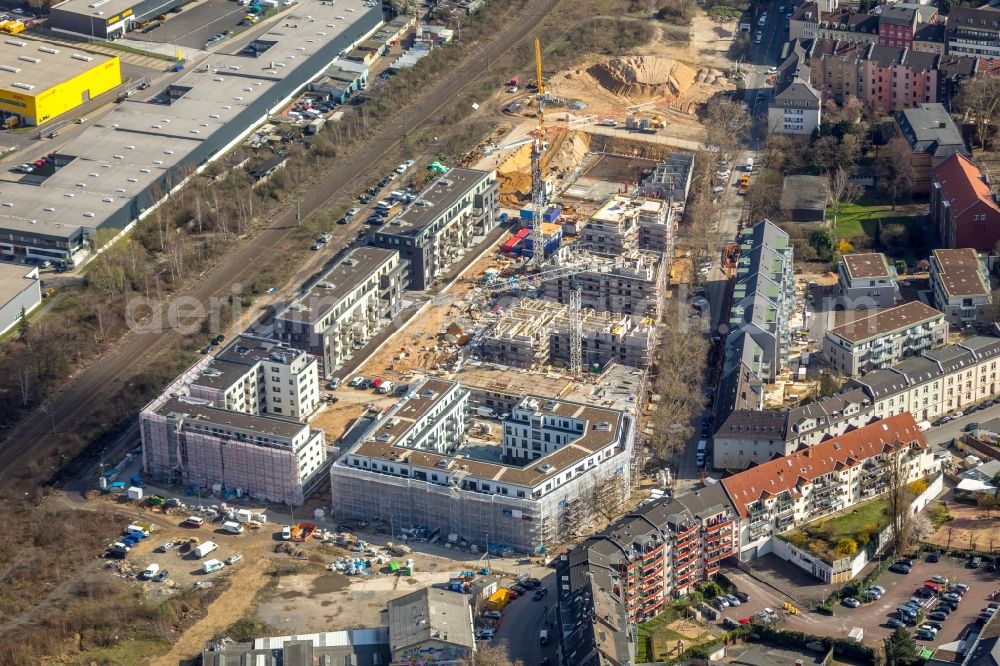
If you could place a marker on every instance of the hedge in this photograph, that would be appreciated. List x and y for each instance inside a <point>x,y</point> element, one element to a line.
<point>842,647</point>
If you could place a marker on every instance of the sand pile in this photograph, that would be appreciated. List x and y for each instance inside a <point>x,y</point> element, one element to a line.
<point>565,152</point>
<point>644,76</point>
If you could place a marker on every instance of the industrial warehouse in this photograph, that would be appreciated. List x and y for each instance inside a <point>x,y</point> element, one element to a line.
<point>40,82</point>
<point>109,175</point>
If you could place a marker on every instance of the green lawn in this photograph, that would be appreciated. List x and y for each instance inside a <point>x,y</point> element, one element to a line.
<point>656,626</point>
<point>821,536</point>
<point>862,220</point>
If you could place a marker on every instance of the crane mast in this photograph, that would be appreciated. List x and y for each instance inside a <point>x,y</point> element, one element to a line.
<point>537,182</point>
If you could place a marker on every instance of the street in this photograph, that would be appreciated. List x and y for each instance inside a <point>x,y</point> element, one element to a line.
<point>522,620</point>
<point>943,434</point>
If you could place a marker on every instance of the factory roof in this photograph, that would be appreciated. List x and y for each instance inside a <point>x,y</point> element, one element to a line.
<point>787,473</point>
<point>40,66</point>
<point>116,159</point>
<point>959,273</point>
<point>434,201</point>
<point>98,8</point>
<point>357,267</point>
<point>886,322</point>
<point>14,279</point>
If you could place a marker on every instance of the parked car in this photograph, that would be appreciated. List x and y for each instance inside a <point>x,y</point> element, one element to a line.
<point>938,615</point>
<point>733,601</point>
<point>948,596</point>
<point>493,615</point>
<point>286,533</point>
<point>924,635</point>
<point>165,546</point>
<point>850,602</point>
<point>895,622</point>
<point>934,556</point>
<point>233,559</point>
<point>742,596</point>
<point>538,595</point>
<point>898,567</point>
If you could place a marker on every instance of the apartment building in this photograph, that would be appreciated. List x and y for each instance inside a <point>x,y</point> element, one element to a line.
<point>632,284</point>
<point>960,287</point>
<point>440,226</point>
<point>341,311</point>
<point>188,441</point>
<point>897,25</point>
<point>866,281</point>
<point>884,338</point>
<point>794,107</point>
<point>670,179</point>
<point>931,385</point>
<point>930,38</point>
<point>414,465</point>
<point>848,26</point>
<point>897,78</point>
<point>932,137</point>
<point>781,494</point>
<point>660,550</point>
<point>938,382</point>
<point>804,22</point>
<point>753,436</point>
<point>623,225</point>
<point>963,208</point>
<point>258,375</point>
<point>974,32</point>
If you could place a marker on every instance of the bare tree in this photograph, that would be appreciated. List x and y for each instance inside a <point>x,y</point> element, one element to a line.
<point>979,100</point>
<point>607,496</point>
<point>894,170</point>
<point>898,495</point>
<point>727,124</point>
<point>491,654</point>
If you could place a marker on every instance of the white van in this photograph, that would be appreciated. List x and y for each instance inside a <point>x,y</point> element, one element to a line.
<point>205,548</point>
<point>232,527</point>
<point>211,566</point>
<point>749,164</point>
<point>543,637</point>
<point>150,571</point>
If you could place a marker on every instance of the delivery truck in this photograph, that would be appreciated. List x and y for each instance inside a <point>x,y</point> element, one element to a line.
<point>211,566</point>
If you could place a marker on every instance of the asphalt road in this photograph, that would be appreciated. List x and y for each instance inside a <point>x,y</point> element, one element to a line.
<point>773,33</point>
<point>522,620</point>
<point>101,379</point>
<point>943,434</point>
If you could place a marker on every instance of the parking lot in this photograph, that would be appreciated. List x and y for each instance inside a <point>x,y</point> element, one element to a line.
<point>196,23</point>
<point>872,617</point>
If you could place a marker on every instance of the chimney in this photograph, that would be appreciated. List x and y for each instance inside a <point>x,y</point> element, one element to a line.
<point>942,124</point>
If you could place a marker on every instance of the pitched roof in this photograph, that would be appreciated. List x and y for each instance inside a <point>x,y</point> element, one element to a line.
<point>885,322</point>
<point>788,472</point>
<point>928,128</point>
<point>962,184</point>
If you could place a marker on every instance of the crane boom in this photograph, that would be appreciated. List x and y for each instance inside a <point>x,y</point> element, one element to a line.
<point>537,180</point>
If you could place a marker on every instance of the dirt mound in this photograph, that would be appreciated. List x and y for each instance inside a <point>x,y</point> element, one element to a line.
<point>643,76</point>
<point>565,151</point>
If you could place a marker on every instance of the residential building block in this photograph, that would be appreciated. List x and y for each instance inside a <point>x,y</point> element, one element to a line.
<point>884,338</point>
<point>960,286</point>
<point>964,210</point>
<point>867,281</point>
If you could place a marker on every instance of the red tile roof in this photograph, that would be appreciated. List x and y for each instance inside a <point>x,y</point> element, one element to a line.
<point>962,184</point>
<point>790,472</point>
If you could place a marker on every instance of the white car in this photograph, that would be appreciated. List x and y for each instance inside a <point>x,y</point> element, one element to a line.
<point>609,123</point>
<point>401,169</point>
<point>757,37</point>
<point>286,533</point>
<point>408,163</point>
<point>352,212</point>
<point>233,559</point>
<point>772,70</point>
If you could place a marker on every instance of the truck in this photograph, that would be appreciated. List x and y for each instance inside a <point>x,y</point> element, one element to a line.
<point>150,571</point>
<point>204,549</point>
<point>744,184</point>
<point>211,566</point>
<point>232,527</point>
<point>315,125</point>
<point>384,387</point>
<point>140,529</point>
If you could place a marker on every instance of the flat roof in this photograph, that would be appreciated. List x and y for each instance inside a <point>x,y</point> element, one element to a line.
<point>867,266</point>
<point>409,410</point>
<point>134,146</point>
<point>15,279</point>
<point>885,322</point>
<point>99,8</point>
<point>433,201</point>
<point>354,269</point>
<point>41,65</point>
<point>233,362</point>
<point>619,207</point>
<point>960,273</point>
<point>259,424</point>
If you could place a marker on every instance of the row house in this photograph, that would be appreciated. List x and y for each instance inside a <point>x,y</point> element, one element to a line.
<point>884,338</point>
<point>938,382</point>
<point>960,286</point>
<point>781,494</point>
<point>897,25</point>
<point>931,385</point>
<point>895,78</point>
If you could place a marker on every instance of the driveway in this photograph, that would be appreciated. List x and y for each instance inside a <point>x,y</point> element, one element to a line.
<point>872,617</point>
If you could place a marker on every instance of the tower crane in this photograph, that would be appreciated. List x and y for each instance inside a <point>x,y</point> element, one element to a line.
<point>537,182</point>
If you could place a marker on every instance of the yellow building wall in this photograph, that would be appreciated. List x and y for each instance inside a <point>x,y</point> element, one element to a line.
<point>65,96</point>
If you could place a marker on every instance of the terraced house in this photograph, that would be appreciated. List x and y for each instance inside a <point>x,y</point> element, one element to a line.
<point>759,341</point>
